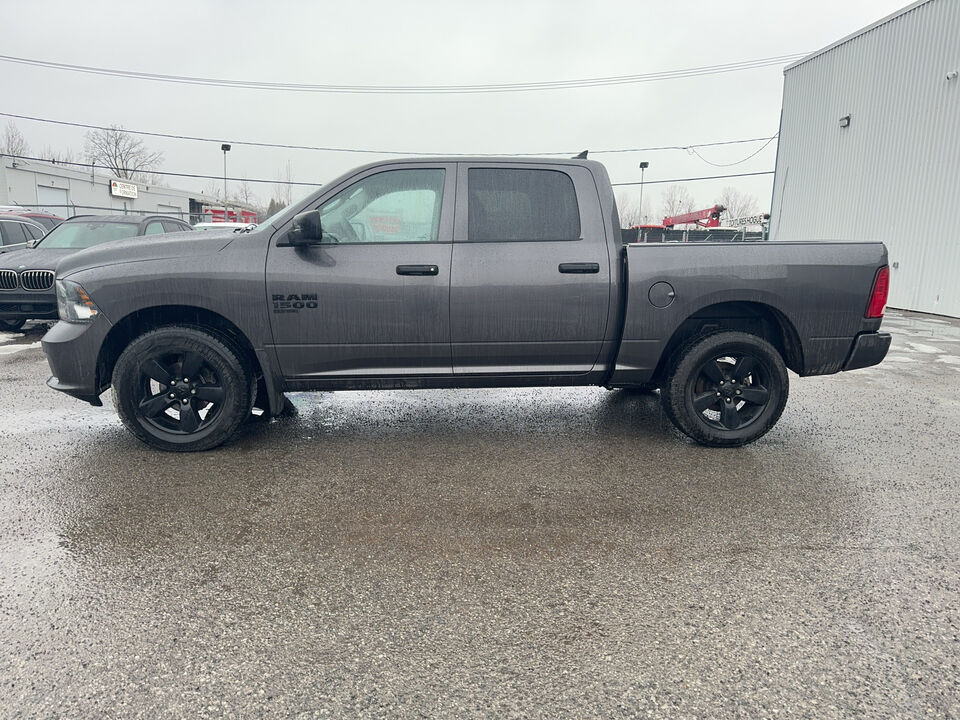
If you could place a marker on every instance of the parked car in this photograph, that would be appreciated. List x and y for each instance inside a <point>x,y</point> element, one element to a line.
<point>224,226</point>
<point>452,273</point>
<point>16,232</point>
<point>27,276</point>
<point>48,221</point>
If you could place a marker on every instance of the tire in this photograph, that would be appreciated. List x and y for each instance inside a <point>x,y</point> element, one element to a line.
<point>11,325</point>
<point>162,405</point>
<point>725,389</point>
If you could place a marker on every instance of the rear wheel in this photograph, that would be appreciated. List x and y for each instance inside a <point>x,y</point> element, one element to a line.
<point>179,388</point>
<point>11,325</point>
<point>726,389</point>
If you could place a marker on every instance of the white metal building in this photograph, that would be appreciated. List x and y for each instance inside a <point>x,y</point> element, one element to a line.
<point>870,150</point>
<point>67,191</point>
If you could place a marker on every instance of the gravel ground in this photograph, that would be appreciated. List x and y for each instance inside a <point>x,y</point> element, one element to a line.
<point>545,553</point>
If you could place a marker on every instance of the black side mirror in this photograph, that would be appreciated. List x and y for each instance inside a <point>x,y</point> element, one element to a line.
<point>306,228</point>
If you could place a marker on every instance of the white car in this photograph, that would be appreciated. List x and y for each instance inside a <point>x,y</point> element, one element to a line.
<point>235,226</point>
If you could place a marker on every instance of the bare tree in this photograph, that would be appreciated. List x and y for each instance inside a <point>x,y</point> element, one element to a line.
<point>676,200</point>
<point>211,188</point>
<point>245,194</point>
<point>13,141</point>
<point>738,204</point>
<point>283,190</point>
<point>628,205</point>
<point>122,153</point>
<point>58,156</point>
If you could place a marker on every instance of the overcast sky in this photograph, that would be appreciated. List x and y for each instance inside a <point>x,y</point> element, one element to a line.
<point>422,43</point>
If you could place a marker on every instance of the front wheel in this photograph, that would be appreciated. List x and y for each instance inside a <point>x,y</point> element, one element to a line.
<point>181,389</point>
<point>11,325</point>
<point>726,389</point>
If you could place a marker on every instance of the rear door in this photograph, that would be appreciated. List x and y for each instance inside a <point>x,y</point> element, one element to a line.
<point>531,274</point>
<point>374,298</point>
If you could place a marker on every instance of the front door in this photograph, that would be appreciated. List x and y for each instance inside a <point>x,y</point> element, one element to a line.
<point>530,291</point>
<point>373,298</point>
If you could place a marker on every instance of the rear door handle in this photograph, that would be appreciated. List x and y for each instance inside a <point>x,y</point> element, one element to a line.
<point>418,270</point>
<point>581,268</point>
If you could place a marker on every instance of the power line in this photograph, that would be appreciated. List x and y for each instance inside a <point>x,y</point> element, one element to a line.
<point>291,182</point>
<point>692,179</point>
<point>737,162</point>
<point>412,89</point>
<point>160,172</point>
<point>285,146</point>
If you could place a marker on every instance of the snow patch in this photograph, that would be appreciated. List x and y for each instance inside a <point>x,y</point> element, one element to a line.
<point>928,349</point>
<point>10,349</point>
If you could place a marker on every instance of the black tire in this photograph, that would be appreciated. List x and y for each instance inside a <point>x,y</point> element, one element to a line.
<point>725,389</point>
<point>11,325</point>
<point>162,405</point>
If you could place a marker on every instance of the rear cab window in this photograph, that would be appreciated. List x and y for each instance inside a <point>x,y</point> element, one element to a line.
<point>520,204</point>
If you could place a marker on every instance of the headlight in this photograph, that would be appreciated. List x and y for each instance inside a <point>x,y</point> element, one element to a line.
<point>73,303</point>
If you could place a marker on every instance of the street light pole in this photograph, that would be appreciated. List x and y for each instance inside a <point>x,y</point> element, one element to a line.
<point>643,166</point>
<point>226,213</point>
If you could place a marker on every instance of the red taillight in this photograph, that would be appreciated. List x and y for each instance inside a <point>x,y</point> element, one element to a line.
<point>878,298</point>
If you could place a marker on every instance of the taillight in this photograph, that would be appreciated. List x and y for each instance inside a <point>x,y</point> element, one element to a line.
<point>878,297</point>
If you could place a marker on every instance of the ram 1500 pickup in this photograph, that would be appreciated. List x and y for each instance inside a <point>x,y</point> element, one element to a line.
<point>453,273</point>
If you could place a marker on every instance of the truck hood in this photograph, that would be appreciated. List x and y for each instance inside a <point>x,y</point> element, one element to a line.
<point>35,259</point>
<point>151,247</point>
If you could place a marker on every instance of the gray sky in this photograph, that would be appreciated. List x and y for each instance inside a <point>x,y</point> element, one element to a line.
<point>422,43</point>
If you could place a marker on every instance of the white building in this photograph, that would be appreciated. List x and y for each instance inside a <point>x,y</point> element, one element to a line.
<point>870,150</point>
<point>66,191</point>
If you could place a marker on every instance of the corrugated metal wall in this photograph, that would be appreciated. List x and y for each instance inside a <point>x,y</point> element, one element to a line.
<point>894,173</point>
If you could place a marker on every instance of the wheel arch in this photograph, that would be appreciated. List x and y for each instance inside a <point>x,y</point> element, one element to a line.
<point>756,318</point>
<point>143,320</point>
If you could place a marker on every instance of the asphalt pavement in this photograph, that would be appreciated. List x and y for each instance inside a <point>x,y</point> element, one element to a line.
<point>543,553</point>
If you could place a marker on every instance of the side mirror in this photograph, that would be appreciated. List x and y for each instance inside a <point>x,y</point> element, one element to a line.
<point>306,228</point>
<point>32,243</point>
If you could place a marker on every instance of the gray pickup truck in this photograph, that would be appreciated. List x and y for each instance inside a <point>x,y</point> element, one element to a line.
<point>453,273</point>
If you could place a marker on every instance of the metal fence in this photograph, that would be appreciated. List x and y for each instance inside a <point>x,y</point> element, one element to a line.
<point>71,210</point>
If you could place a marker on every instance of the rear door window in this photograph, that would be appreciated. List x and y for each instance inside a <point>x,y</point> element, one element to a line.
<point>512,204</point>
<point>13,233</point>
<point>170,226</point>
<point>154,228</point>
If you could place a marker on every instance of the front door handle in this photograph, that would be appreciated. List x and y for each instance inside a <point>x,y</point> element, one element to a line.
<point>580,268</point>
<point>418,270</point>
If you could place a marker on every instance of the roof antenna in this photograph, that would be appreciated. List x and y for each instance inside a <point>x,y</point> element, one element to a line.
<point>581,156</point>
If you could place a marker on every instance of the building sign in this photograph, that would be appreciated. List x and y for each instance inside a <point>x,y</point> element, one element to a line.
<point>122,189</point>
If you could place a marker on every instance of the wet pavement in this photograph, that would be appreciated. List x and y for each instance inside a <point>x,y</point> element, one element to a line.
<point>512,553</point>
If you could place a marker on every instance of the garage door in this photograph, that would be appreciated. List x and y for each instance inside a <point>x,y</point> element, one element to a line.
<point>53,200</point>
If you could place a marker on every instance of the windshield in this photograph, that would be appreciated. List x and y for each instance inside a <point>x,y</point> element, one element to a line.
<point>80,235</point>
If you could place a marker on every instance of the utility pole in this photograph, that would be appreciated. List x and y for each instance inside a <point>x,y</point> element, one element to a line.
<point>226,213</point>
<point>643,166</point>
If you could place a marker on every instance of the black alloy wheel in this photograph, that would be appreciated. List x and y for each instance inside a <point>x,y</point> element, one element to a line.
<point>182,388</point>
<point>180,392</point>
<point>725,389</point>
<point>729,391</point>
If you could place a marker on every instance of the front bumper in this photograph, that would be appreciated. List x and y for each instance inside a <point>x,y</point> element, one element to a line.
<point>15,305</point>
<point>868,349</point>
<point>73,351</point>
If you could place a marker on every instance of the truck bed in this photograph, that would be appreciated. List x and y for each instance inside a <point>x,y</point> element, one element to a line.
<point>814,292</point>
